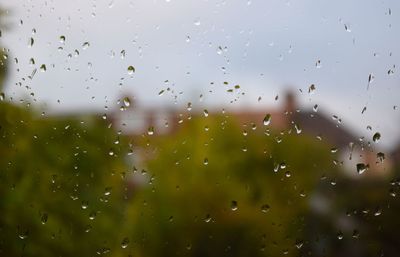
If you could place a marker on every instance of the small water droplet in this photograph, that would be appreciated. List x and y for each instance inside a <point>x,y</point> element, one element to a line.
<point>131,70</point>
<point>44,218</point>
<point>127,101</point>
<point>43,68</point>
<point>380,156</point>
<point>125,243</point>
<point>205,112</point>
<point>207,219</point>
<point>150,131</point>
<point>234,205</point>
<point>31,42</point>
<point>62,39</point>
<point>265,208</point>
<point>311,89</point>
<point>107,191</point>
<point>197,22</point>
<point>205,161</point>
<point>85,45</point>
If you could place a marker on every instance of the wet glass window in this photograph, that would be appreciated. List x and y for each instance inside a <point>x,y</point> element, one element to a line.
<point>199,128</point>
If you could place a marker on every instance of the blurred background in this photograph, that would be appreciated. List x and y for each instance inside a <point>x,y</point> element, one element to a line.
<point>199,128</point>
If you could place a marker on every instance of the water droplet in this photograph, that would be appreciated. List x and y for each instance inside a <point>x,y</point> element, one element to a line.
<point>265,208</point>
<point>2,96</point>
<point>85,45</point>
<point>107,191</point>
<point>298,129</point>
<point>125,243</point>
<point>150,131</point>
<point>311,89</point>
<point>207,218</point>
<point>340,235</point>
<point>197,22</point>
<point>205,161</point>
<point>123,54</point>
<point>267,119</point>
<point>44,218</point>
<point>92,215</point>
<point>205,112</point>
<point>380,156</point>
<point>127,101</point>
<point>315,108</point>
<point>62,39</point>
<point>131,70</point>
<point>376,137</point>
<point>43,68</point>
<point>31,42</point>
<point>361,168</point>
<point>84,205</point>
<point>234,206</point>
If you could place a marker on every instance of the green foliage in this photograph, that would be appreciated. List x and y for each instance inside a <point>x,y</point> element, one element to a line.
<point>187,208</point>
<point>49,170</point>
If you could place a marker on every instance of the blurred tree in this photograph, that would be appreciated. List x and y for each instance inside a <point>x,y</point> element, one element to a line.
<point>216,192</point>
<point>62,185</point>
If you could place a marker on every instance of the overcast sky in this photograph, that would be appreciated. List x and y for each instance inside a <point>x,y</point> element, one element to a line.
<point>192,47</point>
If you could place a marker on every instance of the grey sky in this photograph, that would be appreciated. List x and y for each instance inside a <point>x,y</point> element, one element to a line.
<point>260,45</point>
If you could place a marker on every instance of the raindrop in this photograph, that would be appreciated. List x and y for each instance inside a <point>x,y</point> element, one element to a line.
<point>340,235</point>
<point>2,96</point>
<point>62,39</point>
<point>205,161</point>
<point>207,218</point>
<point>234,206</point>
<point>205,112</point>
<point>107,191</point>
<point>267,119</point>
<point>150,131</point>
<point>197,22</point>
<point>43,68</point>
<point>315,108</point>
<point>31,42</point>
<point>298,129</point>
<point>85,45</point>
<point>376,137</point>
<point>311,89</point>
<point>361,168</point>
<point>265,208</point>
<point>131,70</point>
<point>380,156</point>
<point>44,218</point>
<point>125,243</point>
<point>127,101</point>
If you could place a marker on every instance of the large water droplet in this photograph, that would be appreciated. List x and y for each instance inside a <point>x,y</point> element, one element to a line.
<point>131,70</point>
<point>361,167</point>
<point>376,137</point>
<point>267,119</point>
